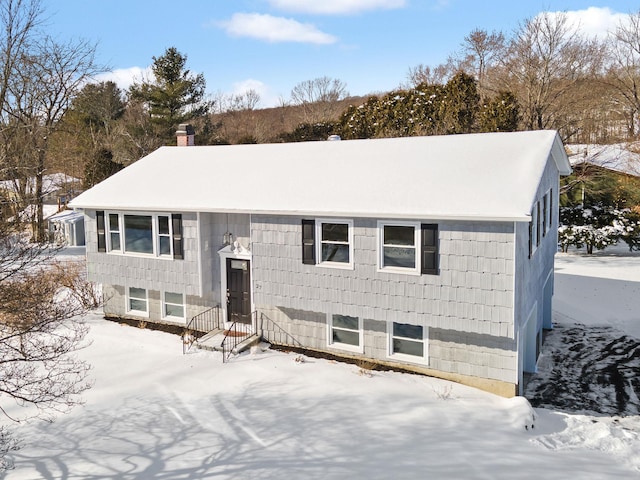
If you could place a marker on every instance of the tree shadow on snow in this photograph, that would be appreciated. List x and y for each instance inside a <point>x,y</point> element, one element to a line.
<point>590,369</point>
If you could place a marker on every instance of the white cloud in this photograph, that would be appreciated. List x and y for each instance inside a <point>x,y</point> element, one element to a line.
<point>267,97</point>
<point>125,77</point>
<point>332,7</point>
<point>594,21</point>
<point>274,29</point>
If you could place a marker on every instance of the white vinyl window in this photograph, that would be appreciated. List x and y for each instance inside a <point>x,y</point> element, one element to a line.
<point>137,301</point>
<point>164,235</point>
<point>173,305</point>
<point>345,332</point>
<point>408,342</point>
<point>334,243</point>
<point>140,234</point>
<point>533,231</point>
<point>399,247</point>
<point>114,232</point>
<point>540,226</point>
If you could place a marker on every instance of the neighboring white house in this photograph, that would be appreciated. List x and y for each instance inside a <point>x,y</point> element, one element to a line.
<point>66,228</point>
<point>431,253</point>
<point>619,157</point>
<point>56,187</point>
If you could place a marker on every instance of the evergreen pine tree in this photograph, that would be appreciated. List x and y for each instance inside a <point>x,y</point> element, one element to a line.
<point>173,96</point>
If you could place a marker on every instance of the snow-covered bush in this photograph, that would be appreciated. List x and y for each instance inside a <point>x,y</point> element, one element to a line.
<point>598,227</point>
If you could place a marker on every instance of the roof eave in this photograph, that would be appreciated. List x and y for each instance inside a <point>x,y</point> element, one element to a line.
<point>559,155</point>
<point>318,213</point>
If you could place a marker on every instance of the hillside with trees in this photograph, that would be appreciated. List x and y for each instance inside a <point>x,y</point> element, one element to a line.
<point>544,75</point>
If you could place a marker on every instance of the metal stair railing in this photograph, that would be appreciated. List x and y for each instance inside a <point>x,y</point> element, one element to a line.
<point>199,326</point>
<point>238,332</point>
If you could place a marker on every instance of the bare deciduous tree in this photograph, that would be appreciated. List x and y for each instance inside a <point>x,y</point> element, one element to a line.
<point>40,299</point>
<point>482,50</point>
<point>424,74</point>
<point>41,306</point>
<point>544,63</point>
<point>624,68</point>
<point>43,77</point>
<point>319,98</point>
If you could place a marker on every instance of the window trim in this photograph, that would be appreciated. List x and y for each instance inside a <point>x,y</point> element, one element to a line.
<point>417,245</point>
<point>176,238</point>
<point>164,303</point>
<point>110,248</point>
<point>139,313</point>
<point>533,231</point>
<point>318,243</point>
<point>424,360</point>
<point>345,346</point>
<point>168,236</point>
<point>539,230</point>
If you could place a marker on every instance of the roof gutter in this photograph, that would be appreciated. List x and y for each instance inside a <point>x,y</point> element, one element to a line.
<point>317,213</point>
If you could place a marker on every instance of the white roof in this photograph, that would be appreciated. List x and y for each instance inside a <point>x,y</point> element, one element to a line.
<point>50,183</point>
<point>473,176</point>
<point>620,157</point>
<point>66,216</point>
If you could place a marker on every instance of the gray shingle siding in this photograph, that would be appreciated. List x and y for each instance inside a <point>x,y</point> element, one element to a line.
<point>533,272</point>
<point>147,272</point>
<point>467,307</point>
<point>212,229</point>
<point>472,292</point>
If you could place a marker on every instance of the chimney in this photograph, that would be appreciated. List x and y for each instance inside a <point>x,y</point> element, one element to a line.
<point>185,135</point>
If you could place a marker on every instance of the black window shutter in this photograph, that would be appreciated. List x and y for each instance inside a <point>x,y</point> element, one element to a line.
<point>531,236</point>
<point>309,242</point>
<point>539,224</point>
<point>545,206</point>
<point>550,208</point>
<point>430,248</point>
<point>178,249</point>
<point>102,237</point>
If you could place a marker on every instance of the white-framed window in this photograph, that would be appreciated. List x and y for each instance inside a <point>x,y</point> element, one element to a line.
<point>408,342</point>
<point>137,301</point>
<point>327,242</point>
<point>345,332</point>
<point>533,230</point>
<point>141,234</point>
<point>114,232</point>
<point>334,242</point>
<point>173,306</point>
<point>138,233</point>
<point>164,235</point>
<point>399,246</point>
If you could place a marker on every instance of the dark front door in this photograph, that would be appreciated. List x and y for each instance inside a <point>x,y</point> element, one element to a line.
<point>238,291</point>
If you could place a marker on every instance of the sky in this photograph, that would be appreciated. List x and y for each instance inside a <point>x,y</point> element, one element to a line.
<point>270,46</point>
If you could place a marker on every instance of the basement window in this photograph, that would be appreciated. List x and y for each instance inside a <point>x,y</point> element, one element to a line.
<point>345,332</point>
<point>137,301</point>
<point>408,342</point>
<point>173,305</point>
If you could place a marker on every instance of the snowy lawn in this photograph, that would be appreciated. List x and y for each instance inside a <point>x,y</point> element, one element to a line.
<point>156,414</point>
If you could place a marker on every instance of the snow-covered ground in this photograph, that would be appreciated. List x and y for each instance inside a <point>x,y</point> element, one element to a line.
<point>156,414</point>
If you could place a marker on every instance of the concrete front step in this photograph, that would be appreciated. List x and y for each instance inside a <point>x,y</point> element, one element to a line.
<point>213,342</point>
